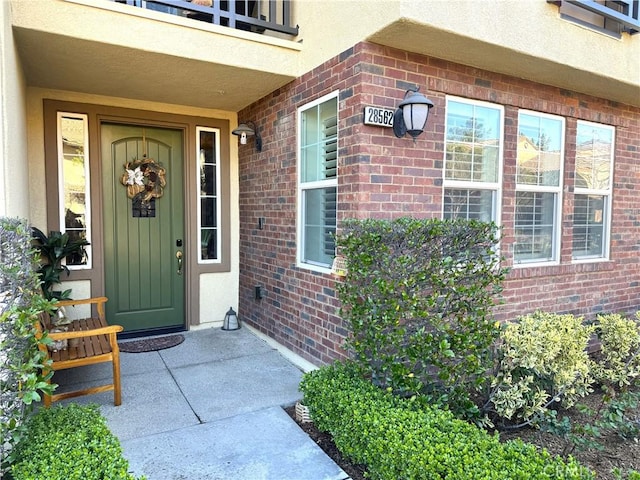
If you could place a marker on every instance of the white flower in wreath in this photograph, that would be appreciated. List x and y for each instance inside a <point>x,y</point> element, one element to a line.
<point>134,177</point>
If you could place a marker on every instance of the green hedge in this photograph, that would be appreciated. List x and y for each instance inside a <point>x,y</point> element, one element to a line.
<point>70,442</point>
<point>397,440</point>
<point>417,299</point>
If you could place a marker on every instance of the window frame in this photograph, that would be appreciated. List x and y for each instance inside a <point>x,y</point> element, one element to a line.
<point>557,191</point>
<point>607,193</point>
<point>199,195</point>
<point>302,186</point>
<point>469,185</point>
<point>87,183</point>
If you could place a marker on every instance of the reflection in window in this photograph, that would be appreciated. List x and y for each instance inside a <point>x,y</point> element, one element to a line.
<point>472,160</point>
<point>538,187</point>
<point>592,200</point>
<point>209,199</point>
<point>73,186</point>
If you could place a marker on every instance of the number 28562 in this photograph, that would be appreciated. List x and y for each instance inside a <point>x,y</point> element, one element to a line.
<point>378,116</point>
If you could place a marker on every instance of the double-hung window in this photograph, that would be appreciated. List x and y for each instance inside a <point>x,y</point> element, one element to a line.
<point>538,188</point>
<point>73,187</point>
<point>593,186</point>
<point>317,182</point>
<point>473,160</point>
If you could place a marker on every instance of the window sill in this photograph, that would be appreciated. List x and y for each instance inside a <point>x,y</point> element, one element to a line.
<point>314,268</point>
<point>562,269</point>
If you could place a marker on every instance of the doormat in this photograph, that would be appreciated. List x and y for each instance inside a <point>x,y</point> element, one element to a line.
<point>151,344</point>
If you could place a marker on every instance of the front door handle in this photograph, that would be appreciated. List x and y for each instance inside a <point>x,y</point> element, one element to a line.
<point>179,257</point>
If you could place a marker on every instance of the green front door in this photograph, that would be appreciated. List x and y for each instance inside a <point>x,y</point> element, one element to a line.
<point>143,218</point>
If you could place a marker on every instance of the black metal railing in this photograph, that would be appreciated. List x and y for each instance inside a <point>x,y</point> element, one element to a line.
<point>623,13</point>
<point>249,15</point>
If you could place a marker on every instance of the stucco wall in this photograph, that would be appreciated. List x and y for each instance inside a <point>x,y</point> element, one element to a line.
<point>385,177</point>
<point>14,184</point>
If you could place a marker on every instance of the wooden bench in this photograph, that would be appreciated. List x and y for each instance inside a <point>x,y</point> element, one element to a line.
<point>89,341</point>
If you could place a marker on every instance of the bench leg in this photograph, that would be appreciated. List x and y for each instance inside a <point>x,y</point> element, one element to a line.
<point>117,387</point>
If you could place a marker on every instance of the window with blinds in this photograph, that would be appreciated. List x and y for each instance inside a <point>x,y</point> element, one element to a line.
<point>593,190</point>
<point>539,165</point>
<point>317,185</point>
<point>473,159</point>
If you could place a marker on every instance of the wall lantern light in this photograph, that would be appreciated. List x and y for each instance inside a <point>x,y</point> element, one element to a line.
<point>248,129</point>
<point>231,321</point>
<point>411,115</point>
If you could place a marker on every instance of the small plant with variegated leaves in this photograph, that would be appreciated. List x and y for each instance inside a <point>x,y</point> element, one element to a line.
<point>543,361</point>
<point>618,361</point>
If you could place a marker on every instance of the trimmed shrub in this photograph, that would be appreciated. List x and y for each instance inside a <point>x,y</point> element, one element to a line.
<point>417,298</point>
<point>69,442</point>
<point>396,439</point>
<point>543,360</point>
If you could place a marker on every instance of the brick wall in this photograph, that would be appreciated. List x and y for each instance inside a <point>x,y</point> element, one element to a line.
<point>382,176</point>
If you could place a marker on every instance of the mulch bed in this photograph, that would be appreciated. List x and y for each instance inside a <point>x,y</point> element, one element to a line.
<point>150,344</point>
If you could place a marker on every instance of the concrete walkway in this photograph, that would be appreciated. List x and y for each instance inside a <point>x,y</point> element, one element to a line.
<point>208,409</point>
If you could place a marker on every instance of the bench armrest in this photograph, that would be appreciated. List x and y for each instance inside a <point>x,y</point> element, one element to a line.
<point>85,333</point>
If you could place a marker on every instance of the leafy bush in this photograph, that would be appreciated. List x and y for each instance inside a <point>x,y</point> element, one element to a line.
<point>417,298</point>
<point>544,364</point>
<point>615,368</point>
<point>395,438</point>
<point>617,363</point>
<point>69,442</point>
<point>20,358</point>
<point>543,360</point>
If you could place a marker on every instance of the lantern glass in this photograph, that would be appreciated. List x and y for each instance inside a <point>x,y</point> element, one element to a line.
<point>415,117</point>
<point>231,321</point>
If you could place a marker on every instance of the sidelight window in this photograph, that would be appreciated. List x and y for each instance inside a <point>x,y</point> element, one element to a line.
<point>208,178</point>
<point>73,184</point>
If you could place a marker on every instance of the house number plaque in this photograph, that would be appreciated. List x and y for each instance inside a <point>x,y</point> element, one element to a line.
<point>382,117</point>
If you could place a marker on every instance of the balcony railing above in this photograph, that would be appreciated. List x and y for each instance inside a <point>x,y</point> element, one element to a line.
<point>250,15</point>
<point>615,16</point>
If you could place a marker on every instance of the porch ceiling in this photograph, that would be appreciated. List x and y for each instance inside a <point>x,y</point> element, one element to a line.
<point>108,48</point>
<point>60,62</point>
<point>419,37</point>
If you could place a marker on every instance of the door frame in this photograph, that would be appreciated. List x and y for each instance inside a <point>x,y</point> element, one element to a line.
<point>97,114</point>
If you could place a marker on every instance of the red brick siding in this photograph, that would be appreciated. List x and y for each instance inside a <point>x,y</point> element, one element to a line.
<point>381,176</point>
